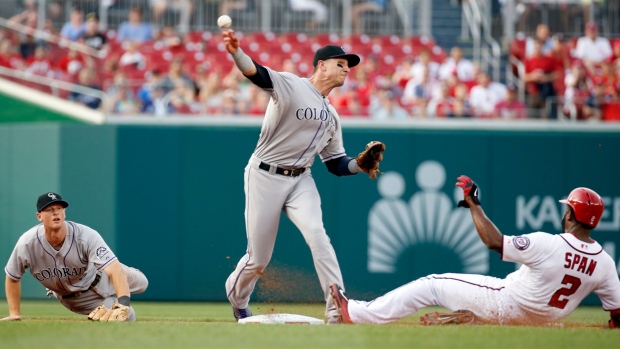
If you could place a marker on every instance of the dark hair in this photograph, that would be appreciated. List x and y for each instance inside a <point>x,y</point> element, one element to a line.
<point>583,225</point>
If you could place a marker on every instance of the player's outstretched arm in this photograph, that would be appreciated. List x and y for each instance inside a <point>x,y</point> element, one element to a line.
<point>242,60</point>
<point>115,272</point>
<point>489,234</point>
<point>13,294</point>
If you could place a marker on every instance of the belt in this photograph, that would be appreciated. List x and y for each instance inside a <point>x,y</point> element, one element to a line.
<point>76,294</point>
<point>283,171</point>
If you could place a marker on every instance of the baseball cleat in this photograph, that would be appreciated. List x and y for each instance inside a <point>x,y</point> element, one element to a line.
<point>458,317</point>
<point>242,313</point>
<point>341,301</point>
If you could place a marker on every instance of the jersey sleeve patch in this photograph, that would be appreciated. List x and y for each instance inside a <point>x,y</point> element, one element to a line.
<point>101,252</point>
<point>521,242</point>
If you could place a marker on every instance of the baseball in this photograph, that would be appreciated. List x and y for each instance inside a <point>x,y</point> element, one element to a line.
<point>224,22</point>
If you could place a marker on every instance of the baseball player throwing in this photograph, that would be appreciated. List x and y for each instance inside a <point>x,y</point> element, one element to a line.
<point>299,124</point>
<point>558,272</point>
<point>74,263</point>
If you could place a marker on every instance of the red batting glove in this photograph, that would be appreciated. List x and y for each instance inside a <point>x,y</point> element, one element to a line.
<point>469,189</point>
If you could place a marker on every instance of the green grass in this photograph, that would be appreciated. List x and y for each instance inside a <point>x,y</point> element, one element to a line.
<point>210,325</point>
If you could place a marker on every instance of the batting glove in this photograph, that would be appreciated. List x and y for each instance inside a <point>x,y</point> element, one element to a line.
<point>469,189</point>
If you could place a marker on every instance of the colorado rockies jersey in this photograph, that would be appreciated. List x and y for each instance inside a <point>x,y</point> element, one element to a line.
<point>558,272</point>
<point>299,124</point>
<point>70,269</point>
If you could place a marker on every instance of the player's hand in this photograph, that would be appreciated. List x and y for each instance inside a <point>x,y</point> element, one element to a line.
<point>469,189</point>
<point>230,40</point>
<point>12,318</point>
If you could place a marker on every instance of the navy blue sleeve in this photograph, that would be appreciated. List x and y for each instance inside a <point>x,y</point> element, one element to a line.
<point>261,78</point>
<point>339,166</point>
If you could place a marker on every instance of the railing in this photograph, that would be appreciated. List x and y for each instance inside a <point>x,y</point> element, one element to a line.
<point>399,17</point>
<point>486,50</point>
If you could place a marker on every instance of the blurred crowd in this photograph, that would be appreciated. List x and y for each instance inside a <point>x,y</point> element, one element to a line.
<point>582,73</point>
<point>160,71</point>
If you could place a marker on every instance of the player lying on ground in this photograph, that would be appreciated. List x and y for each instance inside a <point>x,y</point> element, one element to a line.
<point>75,264</point>
<point>558,272</point>
<point>299,124</point>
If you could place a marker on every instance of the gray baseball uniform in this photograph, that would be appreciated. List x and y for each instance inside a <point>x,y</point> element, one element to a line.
<point>299,124</point>
<point>74,273</point>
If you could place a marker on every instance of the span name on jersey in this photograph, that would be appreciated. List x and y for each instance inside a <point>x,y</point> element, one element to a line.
<point>581,262</point>
<point>59,273</point>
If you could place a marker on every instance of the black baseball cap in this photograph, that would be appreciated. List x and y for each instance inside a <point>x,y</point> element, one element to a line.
<point>333,51</point>
<point>50,198</point>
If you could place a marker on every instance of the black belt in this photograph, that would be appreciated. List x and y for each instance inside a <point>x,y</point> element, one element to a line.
<point>283,171</point>
<point>76,294</point>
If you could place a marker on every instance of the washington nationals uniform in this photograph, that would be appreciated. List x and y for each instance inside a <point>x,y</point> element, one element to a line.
<point>74,273</point>
<point>299,124</point>
<point>558,272</point>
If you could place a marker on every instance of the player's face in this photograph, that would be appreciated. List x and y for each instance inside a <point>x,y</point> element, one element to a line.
<point>337,70</point>
<point>52,217</point>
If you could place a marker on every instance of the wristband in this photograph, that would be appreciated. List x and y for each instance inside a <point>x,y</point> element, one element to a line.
<point>124,300</point>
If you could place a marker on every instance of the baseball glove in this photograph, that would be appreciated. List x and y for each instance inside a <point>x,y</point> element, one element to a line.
<point>96,314</point>
<point>368,160</point>
<point>118,312</point>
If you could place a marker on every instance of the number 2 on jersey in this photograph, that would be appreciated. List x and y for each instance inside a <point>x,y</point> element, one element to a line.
<point>573,282</point>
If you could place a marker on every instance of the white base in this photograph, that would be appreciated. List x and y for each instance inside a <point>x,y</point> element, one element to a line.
<point>282,319</point>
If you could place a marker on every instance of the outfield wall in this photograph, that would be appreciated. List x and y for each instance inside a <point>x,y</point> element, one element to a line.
<point>169,200</point>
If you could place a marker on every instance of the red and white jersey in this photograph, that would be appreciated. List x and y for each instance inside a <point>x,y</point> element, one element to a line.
<point>558,272</point>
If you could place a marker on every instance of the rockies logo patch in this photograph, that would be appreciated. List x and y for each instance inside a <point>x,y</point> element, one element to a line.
<point>521,242</point>
<point>101,251</point>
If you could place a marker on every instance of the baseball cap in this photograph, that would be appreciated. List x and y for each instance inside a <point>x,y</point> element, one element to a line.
<point>333,51</point>
<point>591,25</point>
<point>50,198</point>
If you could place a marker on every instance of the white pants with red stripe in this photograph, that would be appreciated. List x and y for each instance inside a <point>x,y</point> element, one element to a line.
<point>485,296</point>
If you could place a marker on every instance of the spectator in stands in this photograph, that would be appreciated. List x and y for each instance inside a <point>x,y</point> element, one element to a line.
<point>74,29</point>
<point>461,107</point>
<point>424,65</point>
<point>318,8</point>
<point>543,34</point>
<point>441,102</point>
<point>132,58</point>
<point>592,49</point>
<point>211,90</point>
<point>171,38</point>
<point>541,72</point>
<point>457,63</point>
<point>122,101</point>
<point>183,7</point>
<point>176,76</point>
<point>576,92</point>
<point>364,6</point>
<point>93,37</point>
<point>8,57</point>
<point>29,17</point>
<point>420,92</point>
<point>159,104</point>
<point>402,73</point>
<point>512,108</point>
<point>592,108</point>
<point>40,64</point>
<point>228,105</point>
<point>389,108</point>
<point>145,92</point>
<point>486,95</point>
<point>87,78</point>
<point>70,64</point>
<point>135,29</point>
